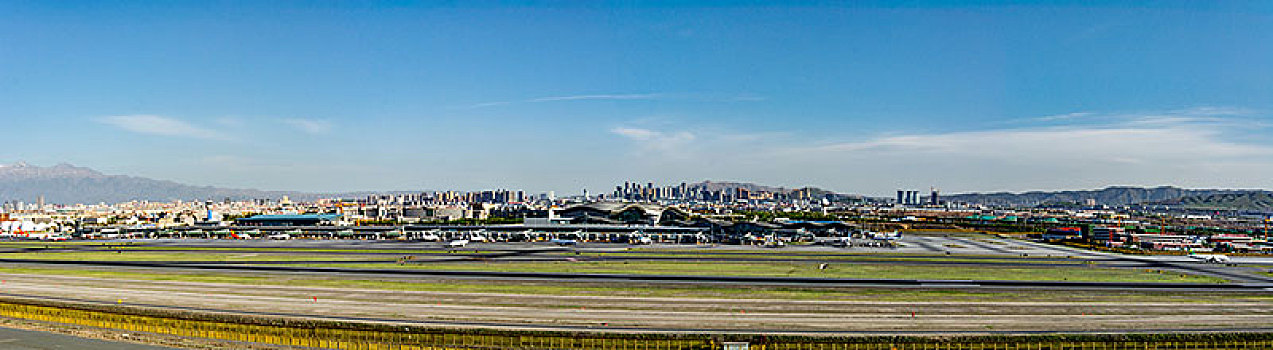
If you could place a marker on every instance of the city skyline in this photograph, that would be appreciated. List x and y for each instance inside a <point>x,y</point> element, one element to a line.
<point>862,99</point>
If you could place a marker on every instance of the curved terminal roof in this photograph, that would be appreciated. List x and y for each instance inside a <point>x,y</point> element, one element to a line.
<point>293,217</point>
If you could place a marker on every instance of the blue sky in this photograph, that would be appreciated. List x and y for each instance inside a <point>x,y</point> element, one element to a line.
<point>868,98</point>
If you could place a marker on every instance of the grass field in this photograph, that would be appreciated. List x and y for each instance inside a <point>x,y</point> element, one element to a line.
<point>643,290</point>
<point>181,256</point>
<point>834,270</point>
<point>144,247</point>
<point>820,253</point>
<point>133,252</point>
<point>282,250</point>
<point>842,256</point>
<point>839,266</point>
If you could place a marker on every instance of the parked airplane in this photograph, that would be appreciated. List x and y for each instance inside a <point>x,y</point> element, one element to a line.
<point>774,242</point>
<point>459,243</point>
<point>887,236</point>
<point>43,236</point>
<point>478,236</point>
<point>838,242</point>
<point>431,236</point>
<point>250,234</point>
<point>638,238</point>
<point>1213,259</point>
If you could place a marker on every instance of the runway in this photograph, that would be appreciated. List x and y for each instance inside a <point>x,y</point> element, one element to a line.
<point>655,314</point>
<point>678,279</point>
<point>928,250</point>
<point>621,302</point>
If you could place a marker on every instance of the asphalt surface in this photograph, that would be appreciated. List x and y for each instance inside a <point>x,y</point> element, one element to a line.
<point>642,314</point>
<point>674,315</point>
<point>20,339</point>
<point>680,279</point>
<point>911,250</point>
<point>928,244</point>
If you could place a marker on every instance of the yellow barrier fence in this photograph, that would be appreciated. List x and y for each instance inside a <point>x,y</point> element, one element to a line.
<point>331,335</point>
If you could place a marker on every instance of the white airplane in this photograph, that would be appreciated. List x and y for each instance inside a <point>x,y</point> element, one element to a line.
<point>1212,259</point>
<point>478,236</point>
<point>109,233</point>
<point>838,242</point>
<point>638,238</point>
<point>281,236</point>
<point>457,243</point>
<point>45,236</point>
<point>887,236</point>
<point>431,236</point>
<point>250,234</point>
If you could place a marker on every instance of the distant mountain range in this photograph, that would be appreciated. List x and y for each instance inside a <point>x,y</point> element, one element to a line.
<point>69,184</point>
<point>1111,196</point>
<point>1119,196</point>
<point>710,185</point>
<point>1249,200</point>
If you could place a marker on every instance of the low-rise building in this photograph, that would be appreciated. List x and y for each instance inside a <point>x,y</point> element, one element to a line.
<point>292,220</point>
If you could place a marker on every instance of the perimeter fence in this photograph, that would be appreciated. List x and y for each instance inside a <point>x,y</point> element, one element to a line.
<point>364,336</point>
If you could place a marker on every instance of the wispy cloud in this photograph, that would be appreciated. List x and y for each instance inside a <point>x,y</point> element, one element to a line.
<point>656,142</point>
<point>1149,151</point>
<point>1066,116</point>
<point>231,122</point>
<point>1200,114</point>
<point>310,126</point>
<point>1161,142</point>
<point>596,97</point>
<point>629,97</point>
<point>599,97</point>
<point>635,133</point>
<point>159,125</point>
<point>1214,111</point>
<point>1159,148</point>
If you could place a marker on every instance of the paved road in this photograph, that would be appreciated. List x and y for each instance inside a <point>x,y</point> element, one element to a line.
<point>19,339</point>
